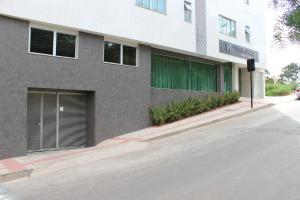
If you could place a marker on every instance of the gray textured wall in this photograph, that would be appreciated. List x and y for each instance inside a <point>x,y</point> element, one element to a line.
<point>122,94</point>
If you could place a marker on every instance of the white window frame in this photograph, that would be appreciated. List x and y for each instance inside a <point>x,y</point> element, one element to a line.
<point>122,43</point>
<point>231,20</point>
<point>55,30</point>
<point>249,33</point>
<point>191,9</point>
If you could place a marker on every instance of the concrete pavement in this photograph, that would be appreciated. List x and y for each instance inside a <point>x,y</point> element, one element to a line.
<point>44,162</point>
<point>256,156</point>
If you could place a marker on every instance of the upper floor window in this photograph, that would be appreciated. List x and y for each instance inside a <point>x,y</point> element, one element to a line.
<point>187,11</point>
<point>247,2</point>
<point>52,43</point>
<point>247,33</point>
<point>227,26</point>
<point>155,5</point>
<point>120,54</point>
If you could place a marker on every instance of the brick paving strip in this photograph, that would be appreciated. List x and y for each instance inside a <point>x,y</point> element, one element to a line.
<point>12,168</point>
<point>13,165</point>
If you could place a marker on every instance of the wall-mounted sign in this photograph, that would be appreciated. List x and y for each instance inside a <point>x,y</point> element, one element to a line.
<point>237,51</point>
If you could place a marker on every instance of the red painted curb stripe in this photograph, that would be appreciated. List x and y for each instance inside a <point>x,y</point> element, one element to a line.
<point>129,139</point>
<point>12,165</point>
<point>57,157</point>
<point>70,154</point>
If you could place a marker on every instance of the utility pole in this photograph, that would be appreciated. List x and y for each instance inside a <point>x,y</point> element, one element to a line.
<point>251,69</point>
<point>251,83</point>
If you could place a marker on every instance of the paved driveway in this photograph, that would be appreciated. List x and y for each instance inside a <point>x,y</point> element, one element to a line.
<point>254,157</point>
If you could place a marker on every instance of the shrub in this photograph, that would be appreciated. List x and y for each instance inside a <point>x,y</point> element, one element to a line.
<point>279,89</point>
<point>192,106</point>
<point>159,115</point>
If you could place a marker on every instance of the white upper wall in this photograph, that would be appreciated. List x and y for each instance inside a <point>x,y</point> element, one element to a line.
<point>121,19</point>
<point>252,15</point>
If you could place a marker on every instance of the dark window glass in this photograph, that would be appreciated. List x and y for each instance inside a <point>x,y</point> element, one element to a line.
<point>65,45</point>
<point>129,55</point>
<point>41,41</point>
<point>112,52</point>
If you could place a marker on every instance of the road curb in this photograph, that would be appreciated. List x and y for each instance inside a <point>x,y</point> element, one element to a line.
<point>173,133</point>
<point>11,176</point>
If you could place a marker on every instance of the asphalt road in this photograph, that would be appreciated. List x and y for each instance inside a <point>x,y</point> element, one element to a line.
<point>254,157</point>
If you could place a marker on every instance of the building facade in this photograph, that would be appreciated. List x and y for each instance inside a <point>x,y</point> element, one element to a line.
<point>75,74</point>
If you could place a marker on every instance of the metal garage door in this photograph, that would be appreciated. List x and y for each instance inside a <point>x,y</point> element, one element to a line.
<point>56,120</point>
<point>72,120</point>
<point>34,121</point>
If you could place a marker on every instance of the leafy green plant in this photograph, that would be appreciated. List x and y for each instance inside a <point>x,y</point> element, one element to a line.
<point>159,115</point>
<point>192,106</point>
<point>279,89</point>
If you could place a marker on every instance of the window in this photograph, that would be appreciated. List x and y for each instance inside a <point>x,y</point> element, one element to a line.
<point>41,41</point>
<point>155,5</point>
<point>227,26</point>
<point>247,33</point>
<point>112,52</point>
<point>182,74</point>
<point>227,77</point>
<point>120,54</point>
<point>187,11</point>
<point>66,45</point>
<point>52,43</point>
<point>247,2</point>
<point>129,55</point>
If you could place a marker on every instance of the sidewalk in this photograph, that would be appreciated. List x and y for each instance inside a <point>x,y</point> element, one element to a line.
<point>214,116</point>
<point>45,162</point>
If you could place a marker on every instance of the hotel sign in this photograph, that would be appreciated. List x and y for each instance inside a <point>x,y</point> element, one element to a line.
<point>237,51</point>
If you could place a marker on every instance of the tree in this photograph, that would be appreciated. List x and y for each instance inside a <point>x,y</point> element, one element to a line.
<point>267,74</point>
<point>288,26</point>
<point>269,80</point>
<point>290,73</point>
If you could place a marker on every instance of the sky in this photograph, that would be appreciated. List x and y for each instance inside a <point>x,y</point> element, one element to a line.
<point>278,58</point>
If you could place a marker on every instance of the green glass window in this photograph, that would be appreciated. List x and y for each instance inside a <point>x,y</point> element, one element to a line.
<point>176,73</point>
<point>172,73</point>
<point>228,77</point>
<point>203,77</point>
